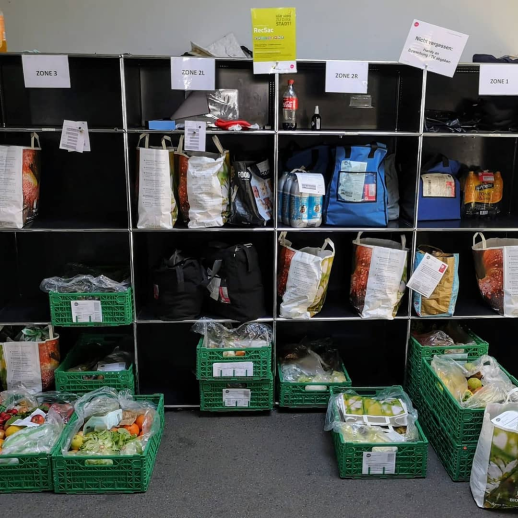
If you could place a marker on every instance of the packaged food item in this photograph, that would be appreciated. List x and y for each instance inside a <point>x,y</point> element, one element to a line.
<point>220,336</point>
<point>483,193</point>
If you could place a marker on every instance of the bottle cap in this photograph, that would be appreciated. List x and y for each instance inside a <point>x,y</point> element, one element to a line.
<point>291,81</point>
<point>316,110</point>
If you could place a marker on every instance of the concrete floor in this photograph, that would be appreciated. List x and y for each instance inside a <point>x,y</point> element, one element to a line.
<point>258,466</point>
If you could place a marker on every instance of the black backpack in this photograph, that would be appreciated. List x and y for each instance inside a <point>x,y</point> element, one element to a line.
<point>179,287</point>
<point>235,285</point>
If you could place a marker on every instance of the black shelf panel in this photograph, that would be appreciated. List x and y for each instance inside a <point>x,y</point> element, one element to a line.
<point>26,311</point>
<point>148,315</point>
<point>500,223</point>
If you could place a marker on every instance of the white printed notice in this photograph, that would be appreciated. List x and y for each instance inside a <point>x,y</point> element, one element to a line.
<point>498,79</point>
<point>432,47</point>
<point>427,275</point>
<point>237,397</point>
<point>11,194</point>
<point>311,183</point>
<point>348,77</point>
<point>438,185</point>
<point>378,463</point>
<point>195,133</point>
<point>44,71</point>
<point>232,369</point>
<point>154,189</point>
<point>73,136</point>
<point>23,365</point>
<point>511,281</point>
<point>193,74</point>
<point>507,420</point>
<point>86,311</point>
<point>111,367</point>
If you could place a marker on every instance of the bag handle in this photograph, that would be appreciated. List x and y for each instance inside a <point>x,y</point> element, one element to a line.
<point>217,143</point>
<point>509,394</point>
<point>484,245</point>
<point>403,241</point>
<point>144,136</point>
<point>34,136</point>
<point>164,139</point>
<point>357,240</point>
<point>330,243</point>
<point>180,144</point>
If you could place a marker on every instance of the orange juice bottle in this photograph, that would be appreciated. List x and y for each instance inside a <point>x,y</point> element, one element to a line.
<point>498,189</point>
<point>470,193</point>
<point>3,41</point>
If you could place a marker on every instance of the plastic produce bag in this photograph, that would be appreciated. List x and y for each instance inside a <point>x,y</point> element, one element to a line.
<point>155,173</point>
<point>220,336</point>
<point>495,261</point>
<point>83,284</point>
<point>20,177</point>
<point>30,359</point>
<point>444,297</point>
<point>303,278</point>
<point>379,276</point>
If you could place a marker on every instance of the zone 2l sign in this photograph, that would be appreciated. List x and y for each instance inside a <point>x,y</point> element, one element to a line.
<point>193,74</point>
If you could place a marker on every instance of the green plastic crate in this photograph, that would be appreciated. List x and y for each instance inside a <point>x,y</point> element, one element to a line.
<point>297,395</point>
<point>212,395</point>
<point>456,459</point>
<point>86,381</point>
<point>127,474</point>
<point>29,473</point>
<point>463,425</point>
<point>261,357</point>
<point>411,457</point>
<point>416,353</point>
<point>117,308</point>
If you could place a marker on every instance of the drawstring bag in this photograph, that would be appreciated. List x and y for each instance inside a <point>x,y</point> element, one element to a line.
<point>156,202</point>
<point>495,261</point>
<point>20,177</point>
<point>303,278</point>
<point>379,276</point>
<point>444,297</point>
<point>179,288</point>
<point>203,186</point>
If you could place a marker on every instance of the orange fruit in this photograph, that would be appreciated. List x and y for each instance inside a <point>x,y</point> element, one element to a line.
<point>1,442</point>
<point>140,420</point>
<point>133,429</point>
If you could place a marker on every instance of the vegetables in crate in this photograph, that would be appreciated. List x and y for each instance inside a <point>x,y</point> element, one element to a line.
<point>221,336</point>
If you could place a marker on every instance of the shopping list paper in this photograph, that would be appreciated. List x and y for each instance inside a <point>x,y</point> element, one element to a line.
<point>427,275</point>
<point>500,79</point>
<point>434,48</point>
<point>233,369</point>
<point>42,71</point>
<point>23,365</point>
<point>74,136</point>
<point>348,77</point>
<point>511,281</point>
<point>311,183</point>
<point>378,463</point>
<point>86,311</point>
<point>237,397</point>
<point>195,133</point>
<point>193,74</point>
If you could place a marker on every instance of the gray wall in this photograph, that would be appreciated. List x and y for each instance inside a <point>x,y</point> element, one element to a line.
<point>327,29</point>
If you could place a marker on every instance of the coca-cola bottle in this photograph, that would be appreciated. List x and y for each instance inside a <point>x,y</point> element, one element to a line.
<point>290,105</point>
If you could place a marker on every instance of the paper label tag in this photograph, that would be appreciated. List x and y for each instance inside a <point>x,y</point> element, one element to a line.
<point>22,361</point>
<point>379,463</point>
<point>427,275</point>
<point>511,281</point>
<point>193,74</point>
<point>11,180</point>
<point>350,166</point>
<point>438,186</point>
<point>433,47</point>
<point>44,71</point>
<point>74,137</point>
<point>237,397</point>
<point>348,77</point>
<point>195,132</point>
<point>233,369</point>
<point>498,79</point>
<point>311,183</point>
<point>507,420</point>
<point>111,367</point>
<point>86,311</point>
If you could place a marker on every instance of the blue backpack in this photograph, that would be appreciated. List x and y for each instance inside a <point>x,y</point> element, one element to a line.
<point>445,205</point>
<point>357,194</point>
<point>314,159</point>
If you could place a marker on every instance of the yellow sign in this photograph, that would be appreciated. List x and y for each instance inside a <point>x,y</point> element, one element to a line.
<point>274,40</point>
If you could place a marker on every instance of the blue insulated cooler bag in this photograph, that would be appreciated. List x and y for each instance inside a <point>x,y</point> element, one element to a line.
<point>357,194</point>
<point>314,159</point>
<point>439,190</point>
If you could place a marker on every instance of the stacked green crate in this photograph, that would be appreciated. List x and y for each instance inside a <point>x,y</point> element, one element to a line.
<point>452,429</point>
<point>234,379</point>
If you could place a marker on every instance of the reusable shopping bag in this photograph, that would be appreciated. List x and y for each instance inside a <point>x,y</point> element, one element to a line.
<point>20,177</point>
<point>203,186</point>
<point>444,297</point>
<point>378,280</point>
<point>303,278</point>
<point>494,473</point>
<point>496,266</point>
<point>156,202</point>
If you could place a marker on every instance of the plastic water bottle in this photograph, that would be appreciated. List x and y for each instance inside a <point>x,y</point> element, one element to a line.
<point>298,206</point>
<point>286,199</point>
<point>280,191</point>
<point>290,105</point>
<point>315,204</point>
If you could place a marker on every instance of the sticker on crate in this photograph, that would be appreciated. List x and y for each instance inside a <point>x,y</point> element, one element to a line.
<point>235,369</point>
<point>86,311</point>
<point>237,397</point>
<point>379,463</point>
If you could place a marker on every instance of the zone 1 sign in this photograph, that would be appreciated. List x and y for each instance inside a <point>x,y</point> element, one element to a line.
<point>45,71</point>
<point>193,74</point>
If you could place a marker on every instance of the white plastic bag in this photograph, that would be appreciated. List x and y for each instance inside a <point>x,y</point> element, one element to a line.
<point>303,278</point>
<point>156,202</point>
<point>494,473</point>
